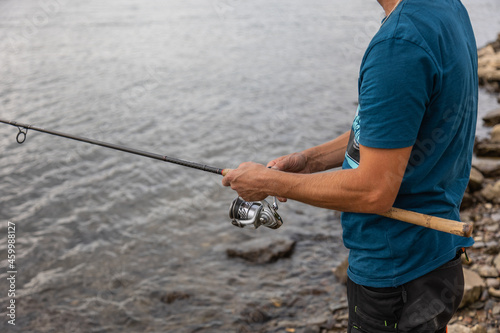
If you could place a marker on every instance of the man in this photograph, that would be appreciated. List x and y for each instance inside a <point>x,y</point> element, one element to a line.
<point>410,147</point>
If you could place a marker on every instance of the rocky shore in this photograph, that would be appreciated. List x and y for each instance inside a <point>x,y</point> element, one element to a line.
<point>480,308</point>
<point>489,66</point>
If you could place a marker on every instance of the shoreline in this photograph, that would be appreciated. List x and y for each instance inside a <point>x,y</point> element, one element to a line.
<point>480,308</point>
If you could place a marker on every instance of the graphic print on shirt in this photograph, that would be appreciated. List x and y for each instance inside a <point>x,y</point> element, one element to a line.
<point>352,151</point>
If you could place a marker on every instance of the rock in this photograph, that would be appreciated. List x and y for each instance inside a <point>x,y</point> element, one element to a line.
<point>263,250</point>
<point>457,328</point>
<point>488,167</point>
<point>341,271</point>
<point>496,262</point>
<point>485,148</point>
<point>496,309</point>
<point>478,329</point>
<point>476,180</point>
<point>492,118</point>
<point>468,201</point>
<point>254,315</point>
<point>491,192</point>
<point>494,293</point>
<point>495,134</point>
<point>492,228</point>
<point>474,286</point>
<point>487,271</point>
<point>169,297</point>
<point>489,65</point>
<point>492,282</point>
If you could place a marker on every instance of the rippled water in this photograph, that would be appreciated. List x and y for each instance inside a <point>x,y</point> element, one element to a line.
<point>108,241</point>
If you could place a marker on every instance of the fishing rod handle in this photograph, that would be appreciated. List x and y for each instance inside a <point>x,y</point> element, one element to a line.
<point>433,222</point>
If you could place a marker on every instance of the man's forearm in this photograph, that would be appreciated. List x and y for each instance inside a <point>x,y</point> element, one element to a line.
<point>370,188</point>
<point>327,155</point>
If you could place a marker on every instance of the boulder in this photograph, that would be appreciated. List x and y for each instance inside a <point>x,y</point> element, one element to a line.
<point>263,250</point>
<point>474,286</point>
<point>492,118</point>
<point>476,180</point>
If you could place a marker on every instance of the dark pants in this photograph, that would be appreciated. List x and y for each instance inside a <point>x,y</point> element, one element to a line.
<point>425,304</point>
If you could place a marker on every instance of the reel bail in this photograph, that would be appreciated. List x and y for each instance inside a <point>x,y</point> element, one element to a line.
<point>244,213</point>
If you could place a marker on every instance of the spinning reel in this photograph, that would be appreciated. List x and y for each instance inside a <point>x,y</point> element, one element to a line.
<point>244,213</point>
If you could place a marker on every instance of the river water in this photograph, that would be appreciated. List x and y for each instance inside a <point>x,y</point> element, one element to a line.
<point>112,242</point>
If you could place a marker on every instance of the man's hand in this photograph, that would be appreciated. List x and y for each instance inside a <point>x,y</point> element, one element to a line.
<point>296,162</point>
<point>246,180</point>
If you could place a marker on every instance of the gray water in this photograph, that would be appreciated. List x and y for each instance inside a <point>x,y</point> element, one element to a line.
<point>112,242</point>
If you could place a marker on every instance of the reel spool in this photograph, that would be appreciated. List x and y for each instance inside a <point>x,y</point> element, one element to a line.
<point>244,213</point>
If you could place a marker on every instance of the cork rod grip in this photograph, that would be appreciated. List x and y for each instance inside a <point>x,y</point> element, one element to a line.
<point>432,222</point>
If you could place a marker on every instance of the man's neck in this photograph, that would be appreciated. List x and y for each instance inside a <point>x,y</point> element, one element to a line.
<point>388,5</point>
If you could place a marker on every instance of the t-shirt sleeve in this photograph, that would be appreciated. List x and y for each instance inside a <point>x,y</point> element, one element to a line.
<point>397,80</point>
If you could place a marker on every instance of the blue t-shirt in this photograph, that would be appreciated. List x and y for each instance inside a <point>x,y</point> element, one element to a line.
<point>417,87</point>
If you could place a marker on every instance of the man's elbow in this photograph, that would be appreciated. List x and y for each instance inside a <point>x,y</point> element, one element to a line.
<point>379,201</point>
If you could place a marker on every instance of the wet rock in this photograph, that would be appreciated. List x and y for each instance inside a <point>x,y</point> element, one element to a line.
<point>492,118</point>
<point>263,250</point>
<point>476,180</point>
<point>474,286</point>
<point>495,134</point>
<point>491,192</point>
<point>170,297</point>
<point>254,315</point>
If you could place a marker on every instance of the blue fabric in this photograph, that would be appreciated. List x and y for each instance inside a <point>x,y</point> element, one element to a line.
<point>417,87</point>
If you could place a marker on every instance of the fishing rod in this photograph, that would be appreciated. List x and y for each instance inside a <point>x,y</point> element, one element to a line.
<point>23,131</point>
<point>242,213</point>
<point>257,213</point>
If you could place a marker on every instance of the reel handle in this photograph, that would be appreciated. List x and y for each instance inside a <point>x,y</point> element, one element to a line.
<point>433,222</point>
